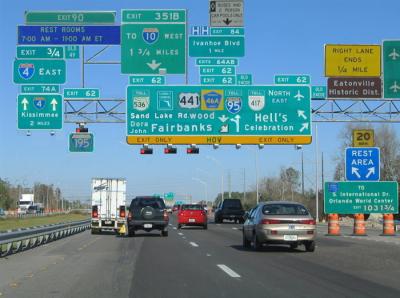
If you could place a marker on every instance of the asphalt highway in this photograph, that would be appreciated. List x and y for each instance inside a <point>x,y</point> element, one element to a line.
<point>193,262</point>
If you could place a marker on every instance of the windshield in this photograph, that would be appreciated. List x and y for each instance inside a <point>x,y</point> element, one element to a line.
<point>192,207</point>
<point>284,209</point>
<point>23,203</point>
<point>156,203</point>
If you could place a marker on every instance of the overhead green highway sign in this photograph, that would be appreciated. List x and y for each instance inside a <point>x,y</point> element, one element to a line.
<point>153,42</point>
<point>40,111</point>
<point>318,92</point>
<point>40,89</point>
<point>217,61</point>
<point>41,52</point>
<point>217,70</point>
<point>72,52</point>
<point>146,80</point>
<point>218,80</point>
<point>216,46</point>
<point>35,71</point>
<point>81,93</point>
<point>227,31</point>
<point>391,68</point>
<point>292,79</point>
<point>69,17</point>
<point>218,114</point>
<point>81,142</point>
<point>244,79</point>
<point>361,197</point>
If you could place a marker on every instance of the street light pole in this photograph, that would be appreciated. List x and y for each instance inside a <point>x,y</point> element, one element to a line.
<point>316,173</point>
<point>205,186</point>
<point>218,163</point>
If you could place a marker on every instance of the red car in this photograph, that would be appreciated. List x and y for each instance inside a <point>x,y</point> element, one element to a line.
<point>192,215</point>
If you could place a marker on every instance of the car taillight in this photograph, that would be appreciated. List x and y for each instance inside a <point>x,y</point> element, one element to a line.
<point>165,215</point>
<point>270,221</point>
<point>308,222</point>
<point>130,215</point>
<point>122,211</point>
<point>95,213</point>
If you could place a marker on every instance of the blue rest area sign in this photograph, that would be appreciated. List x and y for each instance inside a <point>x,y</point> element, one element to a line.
<point>362,164</point>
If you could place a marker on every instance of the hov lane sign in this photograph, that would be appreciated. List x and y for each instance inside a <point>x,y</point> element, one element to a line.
<point>362,164</point>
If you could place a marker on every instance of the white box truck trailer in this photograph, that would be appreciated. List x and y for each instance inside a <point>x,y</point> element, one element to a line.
<point>108,204</point>
<point>26,200</point>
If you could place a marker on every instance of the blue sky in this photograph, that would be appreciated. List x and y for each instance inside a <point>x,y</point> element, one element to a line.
<point>282,37</point>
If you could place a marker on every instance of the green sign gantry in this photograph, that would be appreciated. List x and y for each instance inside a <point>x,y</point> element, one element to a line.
<point>391,68</point>
<point>361,197</point>
<point>40,52</point>
<point>216,46</point>
<point>218,114</point>
<point>36,71</point>
<point>81,142</point>
<point>69,17</point>
<point>81,93</point>
<point>153,42</point>
<point>40,111</point>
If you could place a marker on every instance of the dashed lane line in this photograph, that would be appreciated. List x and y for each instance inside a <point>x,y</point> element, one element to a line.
<point>194,244</point>
<point>228,271</point>
<point>180,234</point>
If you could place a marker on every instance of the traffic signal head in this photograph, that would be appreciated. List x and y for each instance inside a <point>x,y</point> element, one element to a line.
<point>82,129</point>
<point>146,150</point>
<point>192,150</point>
<point>170,150</point>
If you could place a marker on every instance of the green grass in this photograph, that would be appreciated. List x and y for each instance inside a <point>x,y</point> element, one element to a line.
<point>15,223</point>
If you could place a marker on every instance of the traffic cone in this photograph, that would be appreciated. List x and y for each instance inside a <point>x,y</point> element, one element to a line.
<point>359,225</point>
<point>122,230</point>
<point>388,225</point>
<point>333,225</point>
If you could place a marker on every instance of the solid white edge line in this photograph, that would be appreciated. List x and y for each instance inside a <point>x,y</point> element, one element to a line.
<point>228,271</point>
<point>194,244</point>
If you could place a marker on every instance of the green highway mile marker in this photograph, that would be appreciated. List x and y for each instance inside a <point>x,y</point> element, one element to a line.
<point>218,80</point>
<point>146,80</point>
<point>391,68</point>
<point>155,47</point>
<point>217,70</point>
<point>72,52</point>
<point>244,79</point>
<point>318,92</point>
<point>216,46</point>
<point>217,61</point>
<point>227,31</point>
<point>201,111</point>
<point>35,71</point>
<point>81,93</point>
<point>41,52</point>
<point>292,79</point>
<point>81,142</point>
<point>361,197</point>
<point>40,89</point>
<point>69,17</point>
<point>40,111</point>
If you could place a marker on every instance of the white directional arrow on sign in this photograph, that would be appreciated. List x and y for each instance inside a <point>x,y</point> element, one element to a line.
<point>25,103</point>
<point>304,126</point>
<point>223,118</point>
<point>236,120</point>
<point>371,171</point>
<point>302,114</point>
<point>54,103</point>
<point>154,65</point>
<point>354,171</point>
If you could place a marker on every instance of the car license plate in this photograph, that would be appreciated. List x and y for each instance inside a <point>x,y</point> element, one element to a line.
<point>108,222</point>
<point>148,226</point>
<point>290,237</point>
<point>192,220</point>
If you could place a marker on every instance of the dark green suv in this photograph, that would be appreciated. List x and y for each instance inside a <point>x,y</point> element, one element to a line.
<point>147,214</point>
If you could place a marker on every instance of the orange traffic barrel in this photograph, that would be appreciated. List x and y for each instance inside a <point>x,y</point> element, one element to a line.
<point>388,225</point>
<point>359,225</point>
<point>333,225</point>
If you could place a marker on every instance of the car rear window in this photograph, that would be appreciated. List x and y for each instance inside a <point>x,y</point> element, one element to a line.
<point>156,203</point>
<point>284,209</point>
<point>236,204</point>
<point>192,207</point>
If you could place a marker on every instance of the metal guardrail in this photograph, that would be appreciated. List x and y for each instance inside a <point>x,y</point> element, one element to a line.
<point>14,242</point>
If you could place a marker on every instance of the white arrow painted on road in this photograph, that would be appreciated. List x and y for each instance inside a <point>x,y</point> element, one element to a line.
<point>223,118</point>
<point>303,127</point>
<point>54,103</point>
<point>25,103</point>
<point>354,171</point>
<point>370,172</point>
<point>154,65</point>
<point>302,114</point>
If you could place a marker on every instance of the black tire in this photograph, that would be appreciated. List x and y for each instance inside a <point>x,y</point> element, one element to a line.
<point>205,227</point>
<point>164,233</point>
<point>179,226</point>
<point>241,221</point>
<point>246,243</point>
<point>131,232</point>
<point>256,244</point>
<point>293,246</point>
<point>310,246</point>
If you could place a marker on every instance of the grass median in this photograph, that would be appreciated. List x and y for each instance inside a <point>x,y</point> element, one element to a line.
<point>16,223</point>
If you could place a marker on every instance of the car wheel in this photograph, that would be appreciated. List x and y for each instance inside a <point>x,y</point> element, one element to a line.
<point>205,227</point>
<point>310,246</point>
<point>256,243</point>
<point>179,226</point>
<point>164,233</point>
<point>131,232</point>
<point>246,243</point>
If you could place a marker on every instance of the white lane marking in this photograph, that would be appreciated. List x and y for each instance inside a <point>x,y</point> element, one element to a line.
<point>194,244</point>
<point>174,228</point>
<point>208,255</point>
<point>180,234</point>
<point>170,225</point>
<point>228,271</point>
<point>218,224</point>
<point>235,228</point>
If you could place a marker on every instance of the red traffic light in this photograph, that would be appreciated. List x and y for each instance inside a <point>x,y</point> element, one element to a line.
<point>146,151</point>
<point>81,129</point>
<point>170,150</point>
<point>192,150</point>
